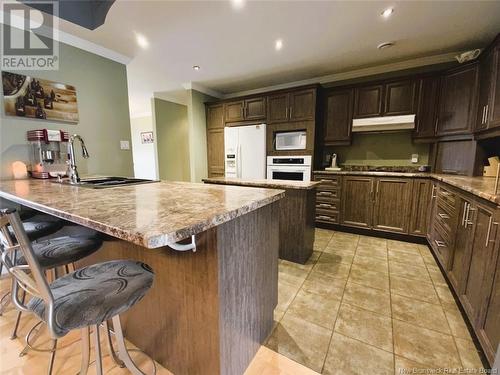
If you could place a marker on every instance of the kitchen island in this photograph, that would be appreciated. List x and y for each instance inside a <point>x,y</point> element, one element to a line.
<point>209,310</point>
<point>297,214</point>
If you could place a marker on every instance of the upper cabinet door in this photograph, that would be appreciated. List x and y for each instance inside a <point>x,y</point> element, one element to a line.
<point>485,86</point>
<point>215,116</point>
<point>425,121</point>
<point>493,109</point>
<point>234,111</point>
<point>277,108</point>
<point>255,109</point>
<point>338,106</point>
<point>302,105</point>
<point>457,104</point>
<point>368,101</point>
<point>400,98</point>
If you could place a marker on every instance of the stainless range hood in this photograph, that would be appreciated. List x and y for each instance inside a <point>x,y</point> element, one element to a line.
<point>385,123</point>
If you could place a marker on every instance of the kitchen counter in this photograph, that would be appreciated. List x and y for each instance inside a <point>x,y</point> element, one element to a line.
<point>150,215</point>
<point>482,187</point>
<point>271,184</point>
<point>297,214</point>
<point>209,309</point>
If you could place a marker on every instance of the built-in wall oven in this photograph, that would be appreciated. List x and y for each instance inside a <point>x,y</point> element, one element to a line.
<point>297,168</point>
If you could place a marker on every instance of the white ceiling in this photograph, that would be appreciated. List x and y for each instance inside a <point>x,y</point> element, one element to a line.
<point>235,48</point>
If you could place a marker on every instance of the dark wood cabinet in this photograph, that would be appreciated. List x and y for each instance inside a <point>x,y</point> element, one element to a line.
<point>357,201</point>
<point>460,264</point>
<point>245,109</point>
<point>215,140</point>
<point>338,110</point>
<point>457,101</point>
<point>368,101</point>
<point>420,203</point>
<point>255,108</point>
<point>302,105</point>
<point>493,112</point>
<point>425,120</point>
<point>400,98</point>
<point>392,204</point>
<point>328,198</point>
<point>488,113</point>
<point>296,105</point>
<point>482,253</point>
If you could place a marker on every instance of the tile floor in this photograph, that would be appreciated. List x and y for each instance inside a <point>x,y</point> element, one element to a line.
<point>365,305</point>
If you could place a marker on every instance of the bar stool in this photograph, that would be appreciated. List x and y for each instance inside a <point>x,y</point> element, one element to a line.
<point>36,226</point>
<point>79,300</point>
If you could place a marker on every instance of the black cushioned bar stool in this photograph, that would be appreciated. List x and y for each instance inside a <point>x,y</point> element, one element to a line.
<point>85,298</point>
<point>50,253</point>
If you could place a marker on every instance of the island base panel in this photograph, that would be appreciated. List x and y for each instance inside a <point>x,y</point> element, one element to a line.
<point>208,311</point>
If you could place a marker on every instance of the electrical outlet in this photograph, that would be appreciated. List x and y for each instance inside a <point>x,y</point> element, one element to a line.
<point>124,145</point>
<point>414,158</point>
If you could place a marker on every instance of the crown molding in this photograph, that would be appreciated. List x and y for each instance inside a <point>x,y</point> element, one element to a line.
<point>357,73</point>
<point>74,41</point>
<point>203,89</point>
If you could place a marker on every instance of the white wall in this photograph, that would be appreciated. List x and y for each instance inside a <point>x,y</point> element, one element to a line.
<point>144,155</point>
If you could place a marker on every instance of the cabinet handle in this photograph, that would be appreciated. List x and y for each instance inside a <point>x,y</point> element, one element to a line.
<point>325,193</point>
<point>325,205</point>
<point>371,191</point>
<point>291,112</point>
<point>286,112</point>
<point>321,217</point>
<point>463,216</point>
<point>433,191</point>
<point>467,221</point>
<point>436,125</point>
<point>490,223</point>
<point>482,118</point>
<point>486,114</point>
<point>443,216</point>
<point>376,193</point>
<point>440,243</point>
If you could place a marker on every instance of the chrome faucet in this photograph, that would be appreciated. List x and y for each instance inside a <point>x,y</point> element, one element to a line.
<point>72,171</point>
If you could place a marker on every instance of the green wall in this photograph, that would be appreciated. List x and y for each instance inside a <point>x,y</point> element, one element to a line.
<point>101,87</point>
<point>172,136</point>
<point>381,149</point>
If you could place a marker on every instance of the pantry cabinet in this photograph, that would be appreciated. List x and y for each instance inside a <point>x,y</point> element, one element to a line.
<point>215,140</point>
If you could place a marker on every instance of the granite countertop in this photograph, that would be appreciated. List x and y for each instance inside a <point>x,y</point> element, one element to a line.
<point>150,215</point>
<point>481,186</point>
<point>274,184</point>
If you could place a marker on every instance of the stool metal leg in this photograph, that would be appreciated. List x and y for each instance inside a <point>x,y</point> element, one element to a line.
<point>115,357</point>
<point>18,319</point>
<point>97,349</point>
<point>52,357</point>
<point>122,349</point>
<point>85,351</point>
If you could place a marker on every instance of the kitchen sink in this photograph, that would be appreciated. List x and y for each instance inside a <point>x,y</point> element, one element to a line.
<point>107,182</point>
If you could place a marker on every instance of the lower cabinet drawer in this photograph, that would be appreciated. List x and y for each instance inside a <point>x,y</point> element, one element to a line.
<point>327,217</point>
<point>441,245</point>
<point>330,204</point>
<point>333,194</point>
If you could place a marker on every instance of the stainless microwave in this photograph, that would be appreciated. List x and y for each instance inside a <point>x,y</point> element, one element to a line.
<point>291,140</point>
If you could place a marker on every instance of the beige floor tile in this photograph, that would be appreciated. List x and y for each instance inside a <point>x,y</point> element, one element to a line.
<point>405,257</point>
<point>366,326</point>
<point>342,244</point>
<point>286,294</point>
<point>429,259</point>
<point>372,252</point>
<point>319,245</point>
<point>345,255</point>
<point>372,264</point>
<point>347,356</point>
<point>317,309</point>
<point>330,266</point>
<point>360,275</point>
<point>402,246</point>
<point>419,313</point>
<point>372,299</point>
<point>301,341</point>
<point>445,294</point>
<point>319,283</point>
<point>268,362</point>
<point>291,274</point>
<point>424,346</point>
<point>405,366</point>
<point>415,289</point>
<point>346,235</point>
<point>409,271</point>
<point>437,278</point>
<point>368,240</point>
<point>457,324</point>
<point>469,355</point>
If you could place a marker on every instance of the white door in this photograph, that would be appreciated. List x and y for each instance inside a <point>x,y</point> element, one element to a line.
<point>231,151</point>
<point>252,152</point>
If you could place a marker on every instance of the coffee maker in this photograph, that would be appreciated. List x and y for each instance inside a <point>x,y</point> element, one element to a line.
<point>48,153</point>
<point>333,166</point>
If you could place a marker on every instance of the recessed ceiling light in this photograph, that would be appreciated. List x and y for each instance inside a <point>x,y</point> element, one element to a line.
<point>278,44</point>
<point>142,41</point>
<point>238,4</point>
<point>387,12</point>
<point>385,45</point>
<point>196,67</point>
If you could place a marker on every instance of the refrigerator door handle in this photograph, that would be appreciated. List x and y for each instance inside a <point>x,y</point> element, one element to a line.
<point>238,163</point>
